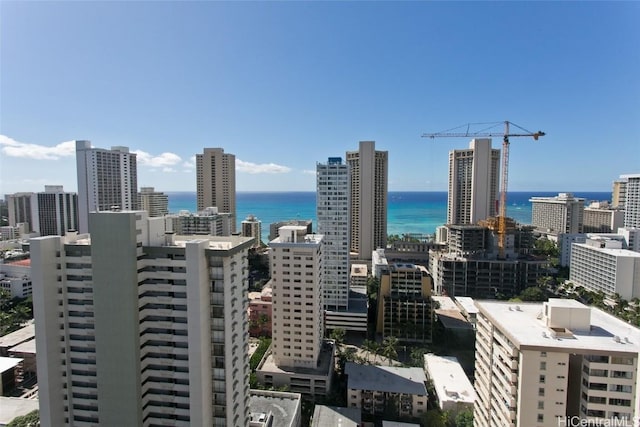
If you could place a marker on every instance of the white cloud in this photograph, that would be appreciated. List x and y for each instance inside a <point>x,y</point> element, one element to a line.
<point>191,163</point>
<point>13,148</point>
<point>254,168</point>
<point>308,172</point>
<point>168,169</point>
<point>164,159</point>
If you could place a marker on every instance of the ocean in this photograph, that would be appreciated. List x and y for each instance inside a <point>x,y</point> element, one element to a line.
<point>408,211</point>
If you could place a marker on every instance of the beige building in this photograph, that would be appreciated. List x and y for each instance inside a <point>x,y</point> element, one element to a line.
<point>298,357</point>
<point>138,328</point>
<point>554,363</point>
<point>600,218</point>
<point>368,185</point>
<point>252,227</point>
<point>208,221</point>
<point>473,182</point>
<point>559,214</point>
<point>632,201</point>
<point>216,182</point>
<point>405,310</point>
<point>156,203</point>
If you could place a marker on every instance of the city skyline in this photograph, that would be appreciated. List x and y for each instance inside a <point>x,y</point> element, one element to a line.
<point>284,85</point>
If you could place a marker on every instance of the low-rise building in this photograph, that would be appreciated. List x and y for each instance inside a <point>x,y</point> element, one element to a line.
<point>454,391</point>
<point>208,221</point>
<point>260,304</point>
<point>332,416</point>
<point>275,409</point>
<point>371,388</point>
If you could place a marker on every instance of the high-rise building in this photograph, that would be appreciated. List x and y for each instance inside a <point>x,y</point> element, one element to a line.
<point>135,327</point>
<point>106,178</point>
<point>559,214</point>
<point>208,221</point>
<point>619,193</point>
<point>299,357</point>
<point>558,363</point>
<point>602,264</point>
<point>368,170</point>
<point>252,227</point>
<point>599,217</point>
<point>216,181</point>
<point>405,310</point>
<point>21,210</point>
<point>632,201</point>
<point>48,213</point>
<point>333,223</point>
<point>154,202</point>
<point>473,183</point>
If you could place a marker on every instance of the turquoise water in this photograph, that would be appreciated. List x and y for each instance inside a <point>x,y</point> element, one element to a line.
<point>408,212</point>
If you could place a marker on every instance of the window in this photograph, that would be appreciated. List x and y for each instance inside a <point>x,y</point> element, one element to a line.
<point>540,404</point>
<point>543,366</point>
<point>541,391</point>
<point>540,418</point>
<point>542,379</point>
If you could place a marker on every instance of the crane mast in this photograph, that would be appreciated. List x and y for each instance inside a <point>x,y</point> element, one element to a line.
<point>504,173</point>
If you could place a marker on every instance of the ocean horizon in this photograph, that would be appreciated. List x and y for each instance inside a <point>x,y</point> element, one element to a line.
<point>407,212</point>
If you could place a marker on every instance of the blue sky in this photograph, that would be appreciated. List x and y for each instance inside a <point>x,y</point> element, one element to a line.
<point>283,85</point>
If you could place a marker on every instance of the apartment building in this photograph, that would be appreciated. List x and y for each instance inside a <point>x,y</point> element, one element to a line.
<point>333,223</point>
<point>106,178</point>
<point>565,243</point>
<point>552,364</point>
<point>252,227</point>
<point>138,327</point>
<point>216,182</point>
<point>632,200</point>
<point>208,221</point>
<point>601,264</point>
<point>405,310</point>
<point>368,184</point>
<point>299,357</point>
<point>619,193</point>
<point>473,182</point>
<point>563,213</point>
<point>373,388</point>
<point>156,203</point>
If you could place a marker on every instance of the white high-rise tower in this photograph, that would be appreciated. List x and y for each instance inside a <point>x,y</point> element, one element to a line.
<point>106,178</point>
<point>333,223</point>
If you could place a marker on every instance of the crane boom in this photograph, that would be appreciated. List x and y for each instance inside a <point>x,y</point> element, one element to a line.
<point>504,177</point>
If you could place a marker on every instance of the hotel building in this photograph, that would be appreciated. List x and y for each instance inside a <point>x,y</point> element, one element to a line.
<point>154,202</point>
<point>49,213</point>
<point>632,201</point>
<point>135,327</point>
<point>216,182</point>
<point>555,215</point>
<point>106,178</point>
<point>368,182</point>
<point>473,183</point>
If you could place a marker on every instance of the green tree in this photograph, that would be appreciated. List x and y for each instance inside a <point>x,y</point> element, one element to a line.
<point>533,293</point>
<point>464,418</point>
<point>389,349</point>
<point>32,419</point>
<point>337,335</point>
<point>372,348</point>
<point>417,356</point>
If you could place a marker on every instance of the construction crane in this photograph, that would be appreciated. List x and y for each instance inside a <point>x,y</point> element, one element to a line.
<point>504,178</point>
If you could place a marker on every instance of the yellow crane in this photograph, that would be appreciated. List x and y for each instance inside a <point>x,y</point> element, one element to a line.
<point>487,132</point>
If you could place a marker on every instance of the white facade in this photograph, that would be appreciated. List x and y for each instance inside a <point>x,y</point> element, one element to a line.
<point>156,203</point>
<point>565,241</point>
<point>601,264</point>
<point>16,279</point>
<point>560,214</point>
<point>298,299</point>
<point>632,201</point>
<point>368,182</point>
<point>135,327</point>
<point>599,218</point>
<point>536,363</point>
<point>333,223</point>
<point>216,182</point>
<point>106,178</point>
<point>473,183</point>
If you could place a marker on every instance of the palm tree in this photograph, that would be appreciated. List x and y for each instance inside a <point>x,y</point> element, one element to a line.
<point>389,345</point>
<point>372,347</point>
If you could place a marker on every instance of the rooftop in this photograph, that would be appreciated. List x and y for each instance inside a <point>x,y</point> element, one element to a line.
<point>449,380</point>
<point>467,304</point>
<point>284,406</point>
<point>12,407</point>
<point>336,416</point>
<point>388,379</point>
<point>25,347</point>
<point>323,369</point>
<point>7,363</point>
<point>21,335</point>
<point>525,325</point>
